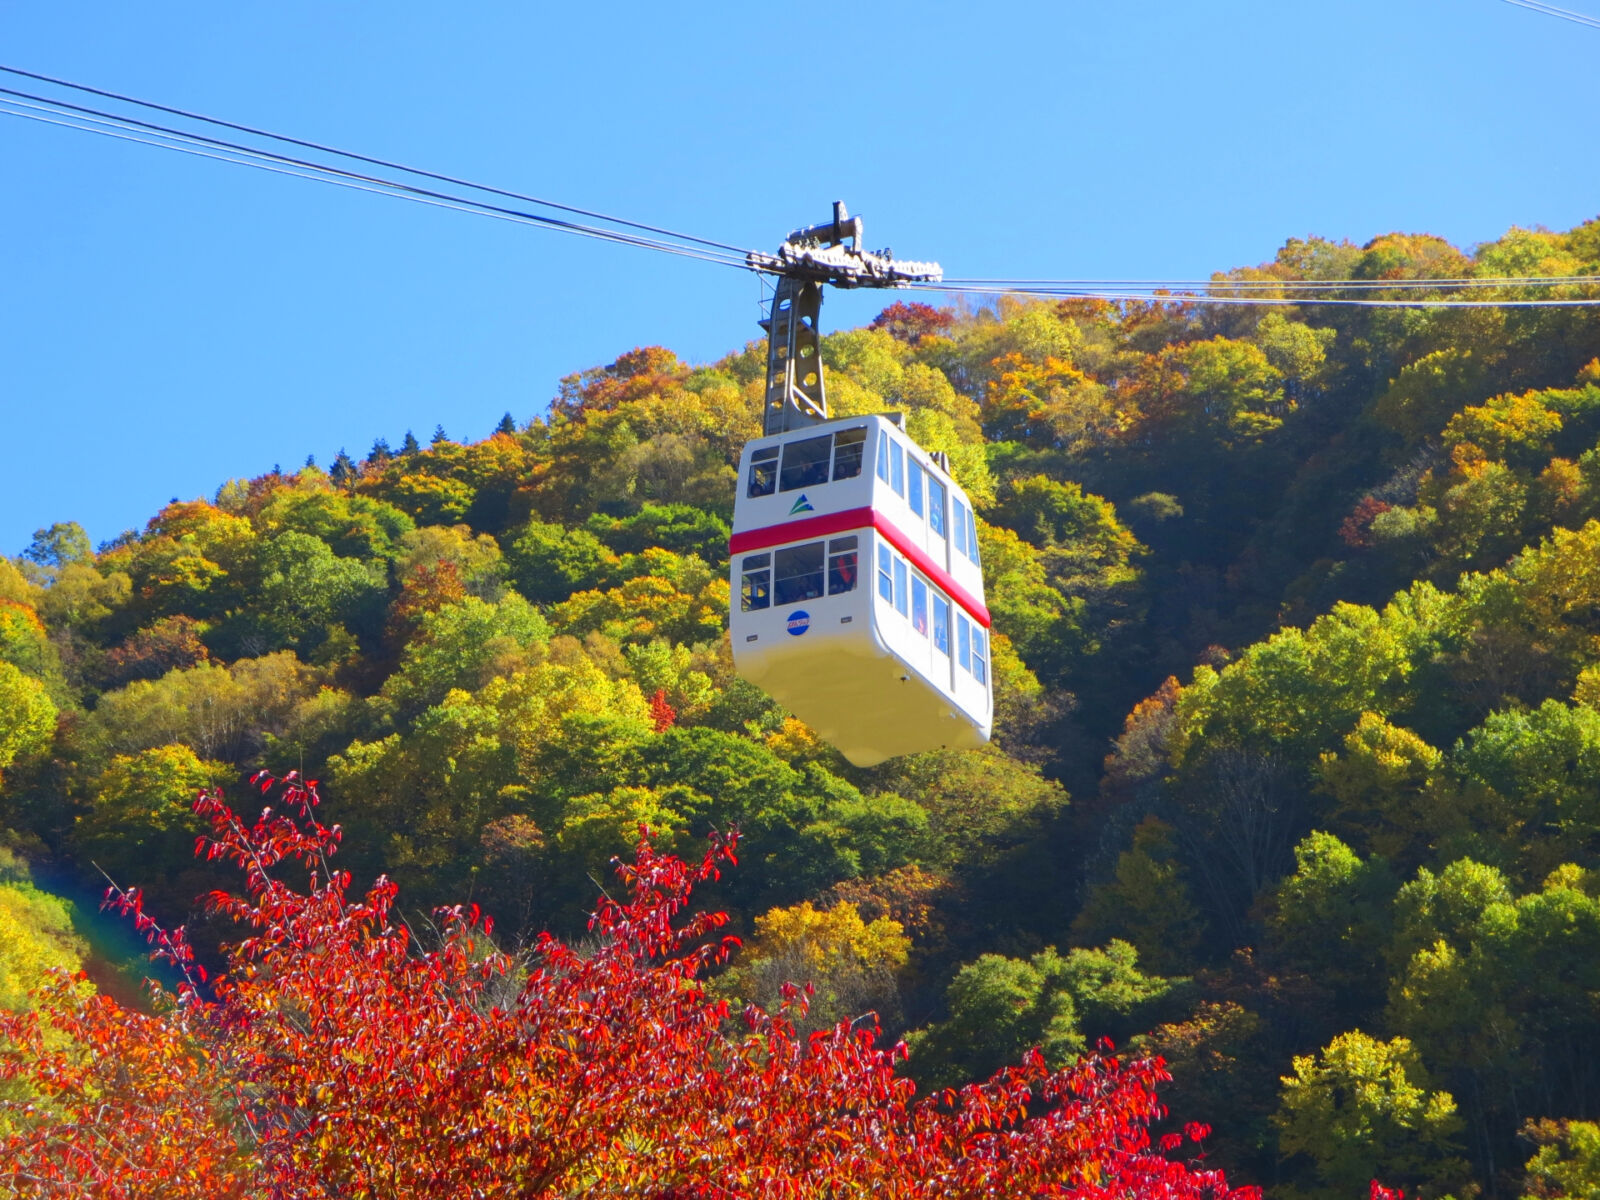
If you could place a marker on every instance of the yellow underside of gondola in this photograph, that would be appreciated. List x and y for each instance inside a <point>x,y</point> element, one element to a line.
<point>870,706</point>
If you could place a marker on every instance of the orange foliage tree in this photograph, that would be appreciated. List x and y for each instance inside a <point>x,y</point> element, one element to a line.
<point>337,1058</point>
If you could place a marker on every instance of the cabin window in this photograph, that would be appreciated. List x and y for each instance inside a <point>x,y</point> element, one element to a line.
<point>941,624</point>
<point>763,471</point>
<point>755,584</point>
<point>901,596</point>
<point>963,643</point>
<point>885,580</point>
<point>935,506</point>
<point>897,468</point>
<point>919,606</point>
<point>842,565</point>
<point>914,487</point>
<point>805,463</point>
<point>847,447</point>
<point>883,456</point>
<point>959,512</point>
<point>797,573</point>
<point>979,672</point>
<point>972,537</point>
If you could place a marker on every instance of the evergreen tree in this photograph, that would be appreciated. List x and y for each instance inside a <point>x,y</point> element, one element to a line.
<point>344,468</point>
<point>507,425</point>
<point>439,435</point>
<point>410,445</point>
<point>311,460</point>
<point>380,452</point>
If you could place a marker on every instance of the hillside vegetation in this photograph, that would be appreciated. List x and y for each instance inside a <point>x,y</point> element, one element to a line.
<point>1296,777</point>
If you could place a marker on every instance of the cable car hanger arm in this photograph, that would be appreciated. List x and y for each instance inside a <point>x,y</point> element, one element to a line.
<point>796,395</point>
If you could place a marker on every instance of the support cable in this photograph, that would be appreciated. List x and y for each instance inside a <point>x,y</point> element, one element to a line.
<point>1174,297</point>
<point>203,147</point>
<point>369,160</point>
<point>1562,14</point>
<point>1216,291</point>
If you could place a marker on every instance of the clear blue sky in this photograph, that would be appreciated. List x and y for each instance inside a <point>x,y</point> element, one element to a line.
<point>167,323</point>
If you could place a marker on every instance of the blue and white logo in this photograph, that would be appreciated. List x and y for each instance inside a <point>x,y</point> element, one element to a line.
<point>801,505</point>
<point>799,622</point>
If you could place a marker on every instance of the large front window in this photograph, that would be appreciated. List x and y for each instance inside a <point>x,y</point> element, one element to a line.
<point>805,463</point>
<point>809,462</point>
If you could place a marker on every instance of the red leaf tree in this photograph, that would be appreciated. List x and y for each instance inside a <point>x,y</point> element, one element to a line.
<point>338,1058</point>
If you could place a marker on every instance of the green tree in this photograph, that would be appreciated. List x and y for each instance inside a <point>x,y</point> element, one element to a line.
<point>1000,1007</point>
<point>27,716</point>
<point>1567,1164</point>
<point>63,543</point>
<point>465,645</point>
<point>223,713</point>
<point>1422,397</point>
<point>1332,917</point>
<point>1297,351</point>
<point>550,562</point>
<point>141,824</point>
<point>351,526</point>
<point>1543,767</point>
<point>307,591</point>
<point>1363,1109</point>
<point>680,528</point>
<point>1147,902</point>
<point>1386,789</point>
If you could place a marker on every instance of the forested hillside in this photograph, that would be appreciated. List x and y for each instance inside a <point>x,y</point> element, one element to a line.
<point>1296,775</point>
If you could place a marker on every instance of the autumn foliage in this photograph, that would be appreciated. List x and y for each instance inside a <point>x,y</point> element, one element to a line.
<point>338,1057</point>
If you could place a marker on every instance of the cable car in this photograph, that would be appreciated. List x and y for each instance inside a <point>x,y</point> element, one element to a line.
<point>857,589</point>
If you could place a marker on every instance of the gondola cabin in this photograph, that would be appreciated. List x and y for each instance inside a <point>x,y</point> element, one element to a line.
<point>857,591</point>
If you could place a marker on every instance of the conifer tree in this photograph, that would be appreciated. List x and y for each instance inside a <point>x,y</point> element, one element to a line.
<point>410,445</point>
<point>343,469</point>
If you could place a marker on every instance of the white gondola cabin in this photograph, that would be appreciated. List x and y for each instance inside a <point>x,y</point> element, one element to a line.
<point>857,591</point>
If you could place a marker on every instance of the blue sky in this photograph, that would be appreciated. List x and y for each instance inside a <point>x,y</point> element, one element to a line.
<point>167,323</point>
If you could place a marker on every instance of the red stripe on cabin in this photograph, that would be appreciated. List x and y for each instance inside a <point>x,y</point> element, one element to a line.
<point>828,524</point>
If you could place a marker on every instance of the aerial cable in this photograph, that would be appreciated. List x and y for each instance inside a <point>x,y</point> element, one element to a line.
<point>1563,14</point>
<point>382,188</point>
<point>1216,291</point>
<point>1292,285</point>
<point>371,161</point>
<point>98,117</point>
<point>283,165</point>
<point>1166,297</point>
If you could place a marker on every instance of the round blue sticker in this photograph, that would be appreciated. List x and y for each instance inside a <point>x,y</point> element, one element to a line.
<point>799,622</point>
